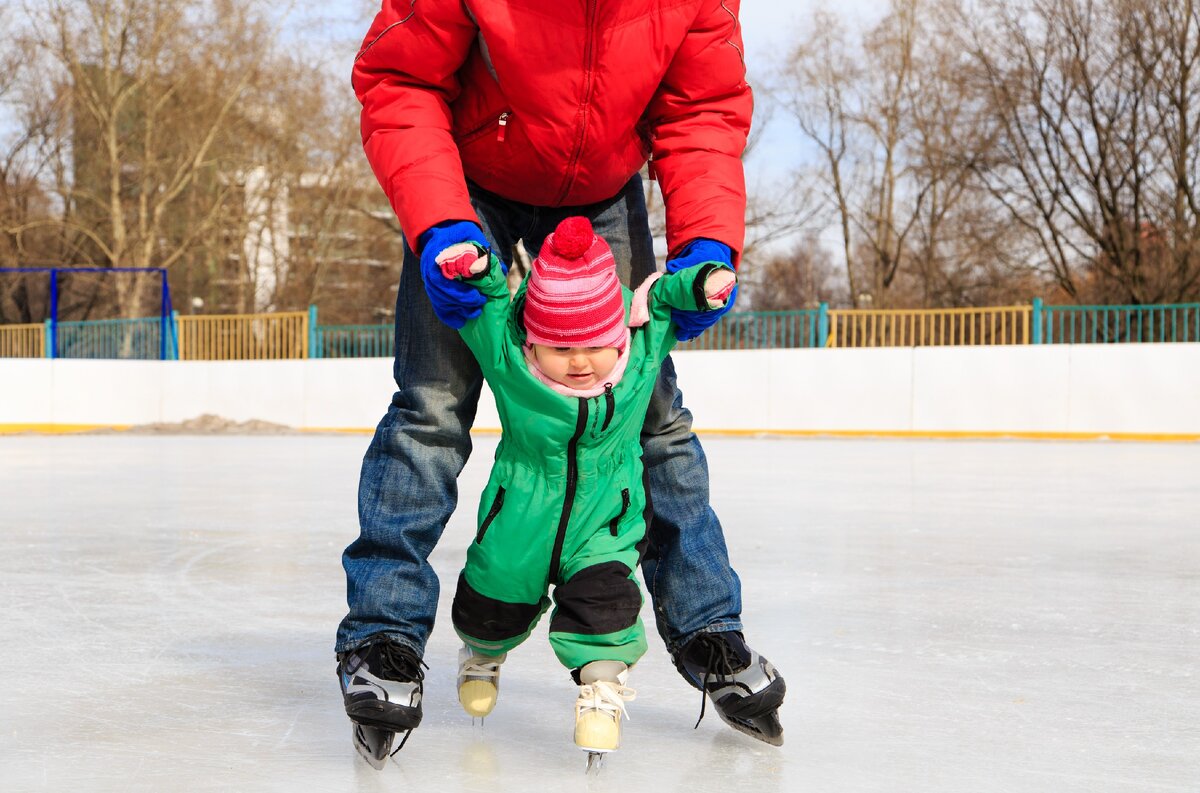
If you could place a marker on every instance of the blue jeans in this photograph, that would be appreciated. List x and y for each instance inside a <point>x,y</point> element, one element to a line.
<point>407,488</point>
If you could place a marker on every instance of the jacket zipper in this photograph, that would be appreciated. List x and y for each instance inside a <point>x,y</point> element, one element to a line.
<point>572,481</point>
<point>611,402</point>
<point>612,526</point>
<point>492,513</point>
<point>589,56</point>
<point>501,124</point>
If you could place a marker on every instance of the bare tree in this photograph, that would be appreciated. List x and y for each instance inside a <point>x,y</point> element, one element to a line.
<point>1093,106</point>
<point>345,243</point>
<point>816,85</point>
<point>23,298</point>
<point>858,108</point>
<point>895,122</point>
<point>801,277</point>
<point>146,95</point>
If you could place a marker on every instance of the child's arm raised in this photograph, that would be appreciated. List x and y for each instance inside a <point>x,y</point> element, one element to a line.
<point>699,289</point>
<point>481,269</point>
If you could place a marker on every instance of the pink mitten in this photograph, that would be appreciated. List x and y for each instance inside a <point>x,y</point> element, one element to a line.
<point>462,261</point>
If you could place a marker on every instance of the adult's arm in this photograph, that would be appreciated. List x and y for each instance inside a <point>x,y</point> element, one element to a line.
<point>699,120</point>
<point>405,78</point>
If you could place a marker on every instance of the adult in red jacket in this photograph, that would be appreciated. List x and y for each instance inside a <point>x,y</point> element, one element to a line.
<point>489,121</point>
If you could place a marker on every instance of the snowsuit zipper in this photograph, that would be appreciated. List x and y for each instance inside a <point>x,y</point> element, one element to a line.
<point>611,403</point>
<point>492,513</point>
<point>615,522</point>
<point>572,482</point>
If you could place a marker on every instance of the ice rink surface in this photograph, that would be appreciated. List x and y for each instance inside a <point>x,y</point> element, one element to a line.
<point>950,616</point>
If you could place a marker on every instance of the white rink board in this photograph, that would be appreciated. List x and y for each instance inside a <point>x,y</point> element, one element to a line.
<point>1119,389</point>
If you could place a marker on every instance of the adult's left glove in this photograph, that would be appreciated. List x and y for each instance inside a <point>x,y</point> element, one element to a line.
<point>454,302</point>
<point>690,324</point>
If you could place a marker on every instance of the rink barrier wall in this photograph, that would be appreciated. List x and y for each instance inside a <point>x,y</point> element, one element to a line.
<point>1143,392</point>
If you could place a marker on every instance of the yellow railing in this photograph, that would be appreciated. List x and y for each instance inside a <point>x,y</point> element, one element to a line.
<point>241,337</point>
<point>929,327</point>
<point>23,341</point>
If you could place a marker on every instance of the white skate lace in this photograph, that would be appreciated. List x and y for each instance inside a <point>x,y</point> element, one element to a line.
<point>604,696</point>
<point>477,669</point>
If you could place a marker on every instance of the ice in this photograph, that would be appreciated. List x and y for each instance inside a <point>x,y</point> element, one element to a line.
<point>950,616</point>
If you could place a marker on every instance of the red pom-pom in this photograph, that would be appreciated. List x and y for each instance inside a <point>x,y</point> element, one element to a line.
<point>573,237</point>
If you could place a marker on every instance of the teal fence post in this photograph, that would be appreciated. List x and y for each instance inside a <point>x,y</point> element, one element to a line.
<point>48,343</point>
<point>1037,321</point>
<point>822,325</point>
<point>52,328</point>
<point>313,350</point>
<point>173,349</point>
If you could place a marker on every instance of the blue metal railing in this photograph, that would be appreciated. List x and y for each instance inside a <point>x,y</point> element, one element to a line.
<point>140,339</point>
<point>760,330</point>
<point>353,341</point>
<point>1177,322</point>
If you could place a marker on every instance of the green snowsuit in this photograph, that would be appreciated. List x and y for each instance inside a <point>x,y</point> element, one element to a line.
<point>567,502</point>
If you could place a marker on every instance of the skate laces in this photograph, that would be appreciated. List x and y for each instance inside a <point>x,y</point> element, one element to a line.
<point>604,696</point>
<point>476,668</point>
<point>719,661</point>
<point>397,662</point>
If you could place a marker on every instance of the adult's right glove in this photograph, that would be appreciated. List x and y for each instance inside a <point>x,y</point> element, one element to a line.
<point>454,302</point>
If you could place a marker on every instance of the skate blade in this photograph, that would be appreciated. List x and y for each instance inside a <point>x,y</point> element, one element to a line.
<point>768,729</point>
<point>595,761</point>
<point>373,745</point>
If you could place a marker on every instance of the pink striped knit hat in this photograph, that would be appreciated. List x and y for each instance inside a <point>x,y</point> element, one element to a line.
<point>574,298</point>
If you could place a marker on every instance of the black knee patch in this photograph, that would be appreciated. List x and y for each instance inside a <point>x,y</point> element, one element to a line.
<point>488,619</point>
<point>597,600</point>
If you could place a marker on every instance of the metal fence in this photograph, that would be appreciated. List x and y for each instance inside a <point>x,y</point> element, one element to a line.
<point>244,337</point>
<point>296,334</point>
<point>353,341</point>
<point>929,327</point>
<point>23,341</point>
<point>1179,322</point>
<point>114,338</point>
<point>759,330</point>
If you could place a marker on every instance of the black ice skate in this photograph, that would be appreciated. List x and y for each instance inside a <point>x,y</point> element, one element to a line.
<point>382,685</point>
<point>744,687</point>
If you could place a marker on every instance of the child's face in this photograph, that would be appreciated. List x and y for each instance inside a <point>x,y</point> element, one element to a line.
<point>577,367</point>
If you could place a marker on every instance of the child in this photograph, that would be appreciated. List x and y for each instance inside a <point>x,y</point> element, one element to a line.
<point>566,504</point>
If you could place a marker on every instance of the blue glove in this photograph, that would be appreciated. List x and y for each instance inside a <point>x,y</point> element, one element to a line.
<point>690,324</point>
<point>454,302</point>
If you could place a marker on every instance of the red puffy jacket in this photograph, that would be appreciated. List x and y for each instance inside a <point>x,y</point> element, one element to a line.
<point>557,104</point>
